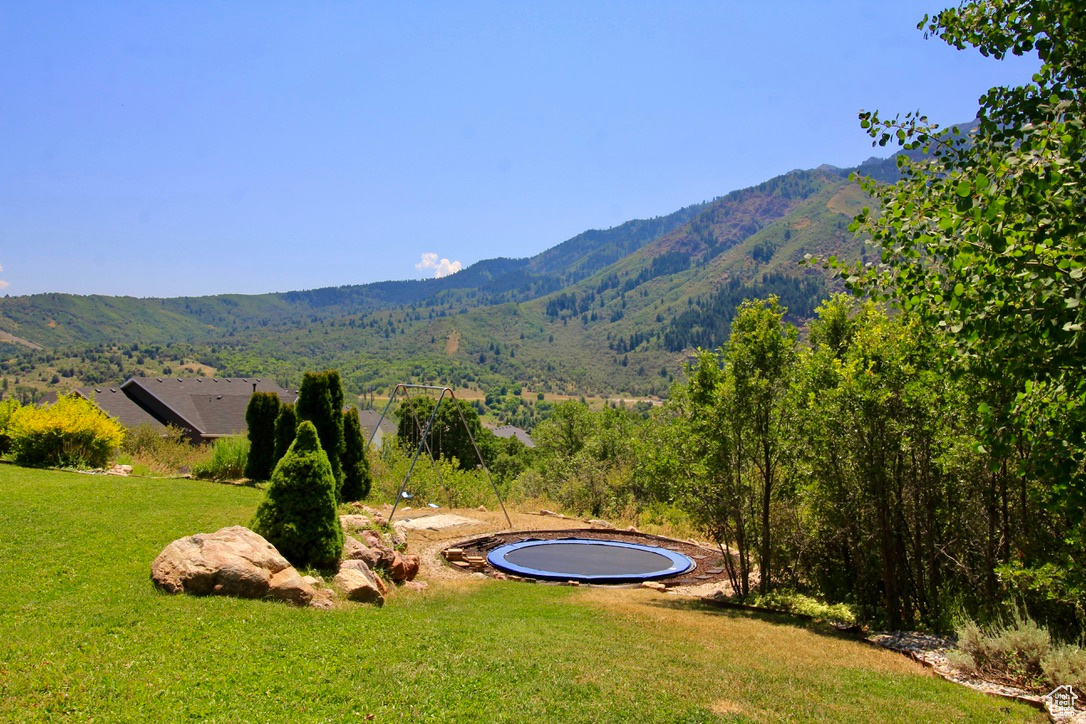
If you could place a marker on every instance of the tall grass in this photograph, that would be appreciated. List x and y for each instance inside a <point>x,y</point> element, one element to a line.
<point>228,456</point>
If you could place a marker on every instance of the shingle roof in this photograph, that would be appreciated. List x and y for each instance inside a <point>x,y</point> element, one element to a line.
<point>369,421</point>
<point>116,404</point>
<point>210,407</point>
<point>507,431</point>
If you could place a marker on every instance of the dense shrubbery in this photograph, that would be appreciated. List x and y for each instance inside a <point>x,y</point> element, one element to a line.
<point>298,515</point>
<point>72,432</point>
<point>7,408</point>
<point>443,482</point>
<point>1020,651</point>
<point>228,456</point>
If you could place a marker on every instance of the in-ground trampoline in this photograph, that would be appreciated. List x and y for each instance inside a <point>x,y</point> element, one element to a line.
<point>589,560</point>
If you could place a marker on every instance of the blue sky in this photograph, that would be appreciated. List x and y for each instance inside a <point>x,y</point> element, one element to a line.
<point>168,148</point>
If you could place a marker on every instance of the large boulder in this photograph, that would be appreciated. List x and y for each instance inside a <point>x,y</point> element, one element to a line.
<point>232,561</point>
<point>358,583</point>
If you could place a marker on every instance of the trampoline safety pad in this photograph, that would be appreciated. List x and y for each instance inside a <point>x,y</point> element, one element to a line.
<point>589,561</point>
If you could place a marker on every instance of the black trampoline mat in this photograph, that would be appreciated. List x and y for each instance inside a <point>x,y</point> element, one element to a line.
<point>589,560</point>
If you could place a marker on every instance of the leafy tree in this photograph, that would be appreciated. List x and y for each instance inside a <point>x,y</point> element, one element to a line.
<point>320,400</point>
<point>693,454</point>
<point>260,416</point>
<point>356,468</point>
<point>983,238</point>
<point>286,428</point>
<point>454,427</point>
<point>760,355</point>
<point>298,514</point>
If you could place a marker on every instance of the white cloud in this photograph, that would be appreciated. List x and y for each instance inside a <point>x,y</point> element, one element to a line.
<point>3,284</point>
<point>442,268</point>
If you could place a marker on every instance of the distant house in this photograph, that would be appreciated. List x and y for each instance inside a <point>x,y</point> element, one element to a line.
<point>206,408</point>
<point>374,427</point>
<point>507,431</point>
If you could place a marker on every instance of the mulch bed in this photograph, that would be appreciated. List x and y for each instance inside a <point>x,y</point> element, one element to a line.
<point>709,568</point>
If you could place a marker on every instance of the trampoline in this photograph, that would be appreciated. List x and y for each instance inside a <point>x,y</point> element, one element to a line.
<point>589,561</point>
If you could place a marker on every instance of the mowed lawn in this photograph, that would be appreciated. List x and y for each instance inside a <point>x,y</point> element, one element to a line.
<point>84,635</point>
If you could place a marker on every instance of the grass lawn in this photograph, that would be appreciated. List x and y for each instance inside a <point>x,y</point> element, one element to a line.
<point>83,635</point>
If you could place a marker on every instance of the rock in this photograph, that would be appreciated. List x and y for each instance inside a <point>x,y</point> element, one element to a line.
<point>599,523</point>
<point>361,566</point>
<point>358,585</point>
<point>372,539</point>
<point>655,586</point>
<point>416,585</point>
<point>120,470</point>
<point>232,561</point>
<point>482,509</point>
<point>354,522</point>
<point>353,549</point>
<point>313,581</point>
<point>403,567</point>
<point>289,586</point>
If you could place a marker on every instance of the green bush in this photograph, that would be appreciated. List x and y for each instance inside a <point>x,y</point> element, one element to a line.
<point>72,432</point>
<point>356,469</point>
<point>805,605</point>
<point>298,514</point>
<point>228,456</point>
<point>1065,664</point>
<point>7,409</point>
<point>260,416</point>
<point>1021,651</point>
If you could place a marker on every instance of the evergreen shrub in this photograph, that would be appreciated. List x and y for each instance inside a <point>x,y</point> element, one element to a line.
<point>72,432</point>
<point>298,514</point>
<point>286,427</point>
<point>356,468</point>
<point>260,417</point>
<point>320,400</point>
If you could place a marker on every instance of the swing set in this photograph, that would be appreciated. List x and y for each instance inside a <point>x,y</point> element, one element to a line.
<point>424,441</point>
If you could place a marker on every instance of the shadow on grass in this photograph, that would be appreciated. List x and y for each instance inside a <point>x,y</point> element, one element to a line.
<point>774,618</point>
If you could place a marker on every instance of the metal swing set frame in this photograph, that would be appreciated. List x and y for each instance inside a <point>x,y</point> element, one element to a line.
<point>424,434</point>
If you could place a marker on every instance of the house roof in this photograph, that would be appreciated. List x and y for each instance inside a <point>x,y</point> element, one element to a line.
<point>507,431</point>
<point>369,421</point>
<point>115,403</point>
<point>210,406</point>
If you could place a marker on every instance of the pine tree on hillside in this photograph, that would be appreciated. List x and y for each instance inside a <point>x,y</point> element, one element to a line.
<point>298,515</point>
<point>260,416</point>
<point>356,469</point>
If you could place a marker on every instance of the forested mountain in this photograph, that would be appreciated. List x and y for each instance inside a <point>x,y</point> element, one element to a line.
<point>613,311</point>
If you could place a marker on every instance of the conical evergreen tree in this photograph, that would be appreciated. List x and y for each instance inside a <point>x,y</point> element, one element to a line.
<point>298,515</point>
<point>260,417</point>
<point>320,400</point>
<point>286,428</point>
<point>356,468</point>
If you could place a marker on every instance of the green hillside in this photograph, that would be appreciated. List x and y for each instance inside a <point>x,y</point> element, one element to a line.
<point>609,312</point>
